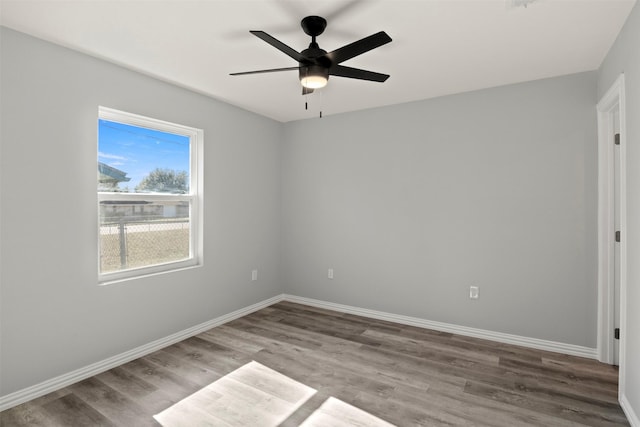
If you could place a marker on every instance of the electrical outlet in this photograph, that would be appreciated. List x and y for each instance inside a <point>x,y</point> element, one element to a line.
<point>330,273</point>
<point>254,275</point>
<point>474,292</point>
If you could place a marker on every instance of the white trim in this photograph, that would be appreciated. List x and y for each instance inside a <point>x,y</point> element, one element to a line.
<point>64,380</point>
<point>632,417</point>
<point>557,347</point>
<point>615,97</point>
<point>156,197</point>
<point>119,116</point>
<point>194,197</point>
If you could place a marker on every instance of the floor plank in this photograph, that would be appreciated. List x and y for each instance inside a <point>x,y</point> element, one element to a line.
<point>290,365</point>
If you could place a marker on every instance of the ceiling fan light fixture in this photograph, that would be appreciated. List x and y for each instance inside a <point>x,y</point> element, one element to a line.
<point>314,77</point>
<point>314,82</point>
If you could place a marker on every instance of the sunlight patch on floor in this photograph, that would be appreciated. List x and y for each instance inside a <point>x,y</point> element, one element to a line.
<point>252,395</point>
<point>336,413</point>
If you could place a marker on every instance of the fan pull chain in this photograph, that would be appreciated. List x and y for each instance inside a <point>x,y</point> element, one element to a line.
<point>306,95</point>
<point>321,103</point>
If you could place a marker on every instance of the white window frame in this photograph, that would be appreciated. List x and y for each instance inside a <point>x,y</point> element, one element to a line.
<point>194,197</point>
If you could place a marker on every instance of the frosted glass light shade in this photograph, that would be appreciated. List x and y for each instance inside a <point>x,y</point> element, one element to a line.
<point>313,82</point>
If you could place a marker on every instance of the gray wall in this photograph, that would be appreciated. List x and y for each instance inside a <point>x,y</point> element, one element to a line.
<point>412,204</point>
<point>54,316</point>
<point>624,56</point>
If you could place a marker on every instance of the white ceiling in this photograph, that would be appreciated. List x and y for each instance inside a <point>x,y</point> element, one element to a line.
<point>439,47</point>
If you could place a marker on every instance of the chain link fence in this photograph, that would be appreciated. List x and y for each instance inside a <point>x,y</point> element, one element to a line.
<point>128,243</point>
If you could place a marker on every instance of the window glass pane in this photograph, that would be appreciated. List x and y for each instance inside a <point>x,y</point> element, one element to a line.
<point>149,210</point>
<point>135,159</point>
<point>137,234</point>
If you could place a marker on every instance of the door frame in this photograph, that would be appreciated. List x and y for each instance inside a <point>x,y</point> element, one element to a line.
<point>614,98</point>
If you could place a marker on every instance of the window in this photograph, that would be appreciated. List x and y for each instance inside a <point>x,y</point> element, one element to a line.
<point>149,195</point>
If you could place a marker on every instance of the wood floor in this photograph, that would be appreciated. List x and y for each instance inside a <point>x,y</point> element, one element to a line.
<point>292,365</point>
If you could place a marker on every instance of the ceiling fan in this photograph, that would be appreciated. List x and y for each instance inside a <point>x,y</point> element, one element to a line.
<point>315,65</point>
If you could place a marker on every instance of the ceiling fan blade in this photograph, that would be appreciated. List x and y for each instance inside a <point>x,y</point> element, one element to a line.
<point>272,70</point>
<point>357,73</point>
<point>306,90</point>
<point>279,45</point>
<point>359,47</point>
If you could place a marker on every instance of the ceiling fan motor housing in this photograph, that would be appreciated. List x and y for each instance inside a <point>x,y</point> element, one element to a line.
<point>314,71</point>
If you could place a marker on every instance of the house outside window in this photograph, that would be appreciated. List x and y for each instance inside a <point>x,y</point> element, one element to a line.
<point>149,195</point>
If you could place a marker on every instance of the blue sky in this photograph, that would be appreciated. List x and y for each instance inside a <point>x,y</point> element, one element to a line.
<point>137,151</point>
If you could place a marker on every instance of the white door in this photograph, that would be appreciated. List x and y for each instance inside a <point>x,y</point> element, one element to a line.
<point>616,254</point>
<point>612,217</point>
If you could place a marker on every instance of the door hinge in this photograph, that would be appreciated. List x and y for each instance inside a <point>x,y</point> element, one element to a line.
<point>618,236</point>
<point>616,139</point>
<point>616,333</point>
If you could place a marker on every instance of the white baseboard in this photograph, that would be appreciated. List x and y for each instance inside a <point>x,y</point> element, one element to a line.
<point>64,380</point>
<point>557,347</point>
<point>633,418</point>
<point>61,381</point>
